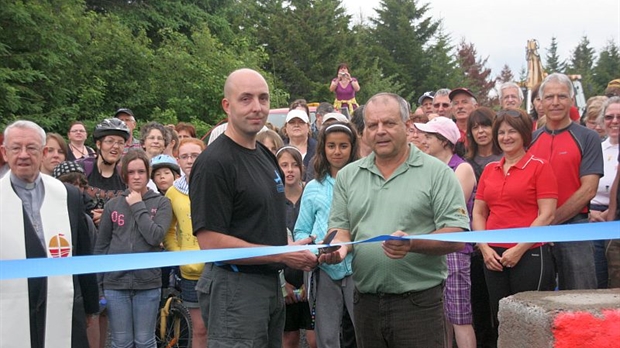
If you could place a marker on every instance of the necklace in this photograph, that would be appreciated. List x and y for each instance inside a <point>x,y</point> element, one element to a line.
<point>74,149</point>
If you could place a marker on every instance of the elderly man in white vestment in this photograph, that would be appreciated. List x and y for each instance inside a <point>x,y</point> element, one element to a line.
<point>41,217</point>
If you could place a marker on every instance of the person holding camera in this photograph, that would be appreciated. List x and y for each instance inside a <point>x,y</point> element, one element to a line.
<point>345,87</point>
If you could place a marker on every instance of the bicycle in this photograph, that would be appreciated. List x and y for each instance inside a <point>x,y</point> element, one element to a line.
<point>174,324</point>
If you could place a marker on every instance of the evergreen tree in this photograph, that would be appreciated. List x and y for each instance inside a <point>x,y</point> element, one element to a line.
<point>582,58</point>
<point>401,30</point>
<point>305,41</point>
<point>506,74</point>
<point>443,71</point>
<point>607,67</point>
<point>553,62</point>
<point>582,63</point>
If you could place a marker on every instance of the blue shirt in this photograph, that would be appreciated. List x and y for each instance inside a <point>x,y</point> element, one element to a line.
<point>313,217</point>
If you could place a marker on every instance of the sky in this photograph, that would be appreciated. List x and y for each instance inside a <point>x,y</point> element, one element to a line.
<point>500,29</point>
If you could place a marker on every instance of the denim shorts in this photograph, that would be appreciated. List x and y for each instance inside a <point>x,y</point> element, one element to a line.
<point>188,293</point>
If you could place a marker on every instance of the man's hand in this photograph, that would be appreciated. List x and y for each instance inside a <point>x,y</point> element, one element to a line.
<point>332,255</point>
<point>133,197</point>
<point>397,249</point>
<point>304,260</point>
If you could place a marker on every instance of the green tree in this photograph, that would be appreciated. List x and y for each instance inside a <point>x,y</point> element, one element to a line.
<point>505,75</point>
<point>582,62</point>
<point>443,70</point>
<point>304,41</point>
<point>582,58</point>
<point>39,41</point>
<point>401,30</point>
<point>553,62</point>
<point>607,67</point>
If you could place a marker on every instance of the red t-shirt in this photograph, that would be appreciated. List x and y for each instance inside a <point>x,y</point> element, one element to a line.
<point>512,199</point>
<point>573,152</point>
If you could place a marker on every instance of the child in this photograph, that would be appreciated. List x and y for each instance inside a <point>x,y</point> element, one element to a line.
<point>134,222</point>
<point>164,171</point>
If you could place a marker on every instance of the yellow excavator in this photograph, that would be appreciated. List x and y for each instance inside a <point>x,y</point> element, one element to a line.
<point>536,74</point>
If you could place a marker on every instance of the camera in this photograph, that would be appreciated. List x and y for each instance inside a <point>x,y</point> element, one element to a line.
<point>343,74</point>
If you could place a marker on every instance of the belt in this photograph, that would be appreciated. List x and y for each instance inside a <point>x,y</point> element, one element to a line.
<point>248,269</point>
<point>402,294</point>
<point>598,207</point>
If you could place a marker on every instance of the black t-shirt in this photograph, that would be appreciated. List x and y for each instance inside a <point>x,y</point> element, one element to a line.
<point>239,192</point>
<point>113,183</point>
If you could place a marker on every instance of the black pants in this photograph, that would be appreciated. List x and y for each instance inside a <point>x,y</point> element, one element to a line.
<point>535,271</point>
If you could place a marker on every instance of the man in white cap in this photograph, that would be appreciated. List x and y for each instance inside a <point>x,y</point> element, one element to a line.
<point>426,102</point>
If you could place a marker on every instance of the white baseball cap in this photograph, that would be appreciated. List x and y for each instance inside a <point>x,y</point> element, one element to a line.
<point>335,116</point>
<point>297,114</point>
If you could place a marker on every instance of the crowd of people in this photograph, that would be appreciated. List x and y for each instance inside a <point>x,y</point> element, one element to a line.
<point>356,172</point>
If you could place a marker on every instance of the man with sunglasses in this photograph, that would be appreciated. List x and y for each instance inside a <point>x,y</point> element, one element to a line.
<point>575,154</point>
<point>441,103</point>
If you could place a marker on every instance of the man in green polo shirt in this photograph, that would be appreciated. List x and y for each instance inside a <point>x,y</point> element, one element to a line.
<point>401,191</point>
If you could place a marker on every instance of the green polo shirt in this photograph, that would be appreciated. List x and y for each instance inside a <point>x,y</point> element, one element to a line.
<point>421,196</point>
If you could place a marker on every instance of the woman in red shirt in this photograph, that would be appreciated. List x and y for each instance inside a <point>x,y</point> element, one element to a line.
<point>520,190</point>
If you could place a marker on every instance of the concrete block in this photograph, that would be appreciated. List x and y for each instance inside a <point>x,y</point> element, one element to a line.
<point>560,319</point>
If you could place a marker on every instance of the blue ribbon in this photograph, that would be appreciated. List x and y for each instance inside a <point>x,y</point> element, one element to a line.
<point>45,267</point>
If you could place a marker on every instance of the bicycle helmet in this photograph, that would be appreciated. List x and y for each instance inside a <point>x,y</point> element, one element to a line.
<point>164,161</point>
<point>111,126</point>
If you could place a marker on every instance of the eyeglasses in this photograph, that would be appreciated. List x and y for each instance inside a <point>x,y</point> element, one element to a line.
<point>111,143</point>
<point>509,112</point>
<point>78,131</point>
<point>444,105</point>
<point>30,149</point>
<point>187,156</point>
<point>611,117</point>
<point>152,137</point>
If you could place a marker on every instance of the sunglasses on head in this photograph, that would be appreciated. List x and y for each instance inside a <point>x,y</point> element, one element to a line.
<point>511,113</point>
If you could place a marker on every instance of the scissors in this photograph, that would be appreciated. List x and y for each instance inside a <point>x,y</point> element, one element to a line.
<point>328,239</point>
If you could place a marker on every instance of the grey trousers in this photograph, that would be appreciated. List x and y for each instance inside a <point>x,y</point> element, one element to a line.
<point>241,309</point>
<point>331,297</point>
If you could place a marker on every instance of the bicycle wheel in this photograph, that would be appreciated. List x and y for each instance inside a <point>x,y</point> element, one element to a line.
<point>175,331</point>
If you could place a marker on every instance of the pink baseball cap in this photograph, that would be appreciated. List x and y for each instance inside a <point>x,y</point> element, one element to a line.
<point>441,125</point>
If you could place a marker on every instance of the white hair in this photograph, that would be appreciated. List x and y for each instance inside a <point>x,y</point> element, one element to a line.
<point>510,84</point>
<point>24,124</point>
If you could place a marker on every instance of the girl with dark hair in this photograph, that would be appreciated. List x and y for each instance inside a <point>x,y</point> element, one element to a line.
<point>331,285</point>
<point>297,310</point>
<point>345,87</point>
<point>481,149</point>
<point>134,222</point>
